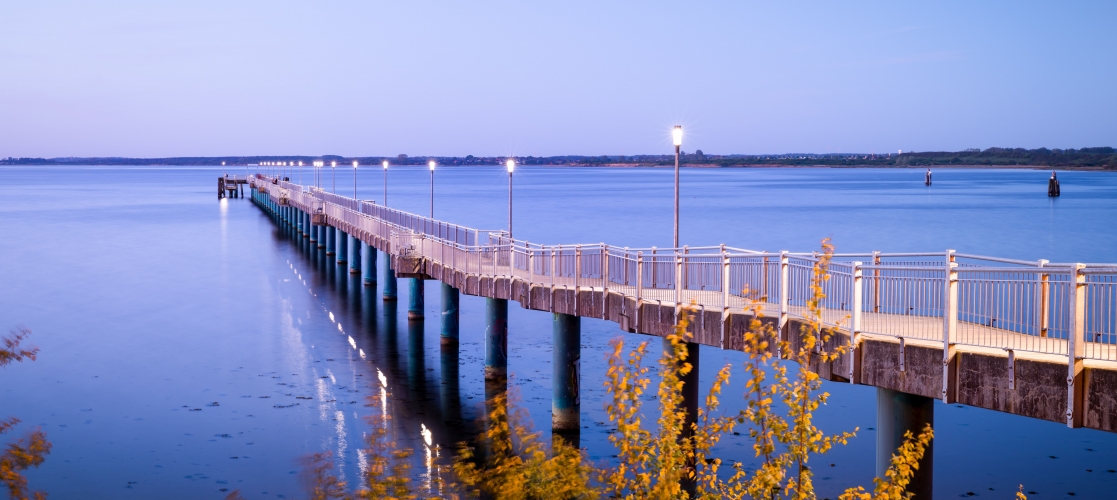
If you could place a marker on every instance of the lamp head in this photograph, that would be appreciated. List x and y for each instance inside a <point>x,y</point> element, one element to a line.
<point>354,164</point>
<point>677,135</point>
<point>385,164</point>
<point>431,165</point>
<point>511,164</point>
<point>300,163</point>
<point>333,164</point>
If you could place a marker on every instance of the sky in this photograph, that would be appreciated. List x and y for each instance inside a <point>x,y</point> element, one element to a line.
<point>541,78</point>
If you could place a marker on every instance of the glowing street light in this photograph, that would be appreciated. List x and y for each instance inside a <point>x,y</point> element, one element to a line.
<point>300,175</point>
<point>354,179</point>
<point>431,165</point>
<point>511,165</point>
<point>333,177</point>
<point>385,182</point>
<point>677,135</point>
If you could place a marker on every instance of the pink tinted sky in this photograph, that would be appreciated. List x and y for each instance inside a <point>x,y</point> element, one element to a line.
<point>203,78</point>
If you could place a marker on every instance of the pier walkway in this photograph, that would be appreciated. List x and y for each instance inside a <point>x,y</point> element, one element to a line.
<point>1033,338</point>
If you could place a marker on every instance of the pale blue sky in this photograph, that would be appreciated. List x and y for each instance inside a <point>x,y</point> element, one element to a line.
<point>200,78</point>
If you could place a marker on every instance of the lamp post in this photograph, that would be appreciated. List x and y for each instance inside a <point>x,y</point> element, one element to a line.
<point>431,165</point>
<point>511,165</point>
<point>333,178</point>
<point>677,135</point>
<point>300,175</point>
<point>354,179</point>
<point>385,182</point>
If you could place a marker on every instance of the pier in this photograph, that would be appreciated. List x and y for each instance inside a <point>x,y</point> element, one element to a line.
<point>1031,338</point>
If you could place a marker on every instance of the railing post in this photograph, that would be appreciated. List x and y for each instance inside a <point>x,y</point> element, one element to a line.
<point>949,328</point>
<point>785,293</point>
<point>639,285</point>
<point>1044,300</point>
<point>577,274</point>
<point>1076,348</point>
<point>876,282</point>
<point>553,268</point>
<point>855,321</point>
<point>724,297</point>
<point>604,281</point>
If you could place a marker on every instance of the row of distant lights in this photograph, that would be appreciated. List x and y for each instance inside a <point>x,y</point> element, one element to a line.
<point>510,164</point>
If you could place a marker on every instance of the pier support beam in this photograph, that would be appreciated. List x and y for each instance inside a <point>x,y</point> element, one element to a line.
<point>496,339</point>
<point>354,255</point>
<point>306,224</point>
<point>449,315</point>
<point>368,264</point>
<point>416,301</point>
<point>342,245</point>
<point>898,412</point>
<point>331,240</point>
<point>566,405</point>
<point>389,280</point>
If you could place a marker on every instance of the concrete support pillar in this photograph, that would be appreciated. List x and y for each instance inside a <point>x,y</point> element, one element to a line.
<point>496,339</point>
<point>354,255</point>
<point>389,280</point>
<point>342,245</point>
<point>368,264</point>
<point>450,396</point>
<point>449,315</point>
<point>306,224</point>
<point>416,300</point>
<point>566,340</point>
<point>690,388</point>
<point>898,412</point>
<point>331,240</point>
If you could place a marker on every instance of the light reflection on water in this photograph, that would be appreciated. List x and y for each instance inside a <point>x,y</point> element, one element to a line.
<point>142,318</point>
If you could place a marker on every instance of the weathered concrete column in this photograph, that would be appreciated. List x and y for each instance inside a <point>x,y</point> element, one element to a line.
<point>322,231</point>
<point>354,255</point>
<point>331,240</point>
<point>368,264</point>
<point>566,405</point>
<point>306,225</point>
<point>389,280</point>
<point>449,315</point>
<point>898,412</point>
<point>416,300</point>
<point>496,339</point>
<point>342,246</point>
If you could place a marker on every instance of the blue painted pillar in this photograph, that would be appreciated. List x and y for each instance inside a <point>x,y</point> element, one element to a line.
<point>306,225</point>
<point>342,245</point>
<point>331,240</point>
<point>389,280</point>
<point>354,255</point>
<point>313,234</point>
<point>496,339</point>
<point>299,220</point>
<point>449,315</point>
<point>416,300</point>
<point>566,406</point>
<point>368,264</point>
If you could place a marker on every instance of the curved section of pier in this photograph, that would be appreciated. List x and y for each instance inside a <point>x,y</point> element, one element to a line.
<point>1033,338</point>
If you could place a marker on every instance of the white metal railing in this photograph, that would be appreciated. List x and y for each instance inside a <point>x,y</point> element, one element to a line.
<point>956,299</point>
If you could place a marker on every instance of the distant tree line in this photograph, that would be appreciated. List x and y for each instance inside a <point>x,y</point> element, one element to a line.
<point>1102,157</point>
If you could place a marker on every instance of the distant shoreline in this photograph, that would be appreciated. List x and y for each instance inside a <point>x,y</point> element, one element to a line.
<point>610,165</point>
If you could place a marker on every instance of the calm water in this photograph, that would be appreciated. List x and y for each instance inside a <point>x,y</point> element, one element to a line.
<point>180,334</point>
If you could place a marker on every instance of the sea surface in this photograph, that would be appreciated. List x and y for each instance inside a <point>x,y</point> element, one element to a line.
<point>189,347</point>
